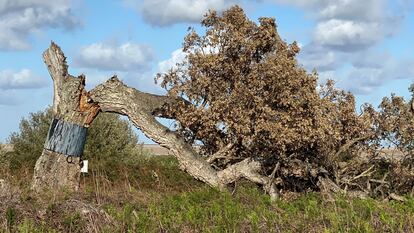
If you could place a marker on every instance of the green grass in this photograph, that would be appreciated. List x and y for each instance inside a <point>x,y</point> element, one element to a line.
<point>208,210</point>
<point>155,196</point>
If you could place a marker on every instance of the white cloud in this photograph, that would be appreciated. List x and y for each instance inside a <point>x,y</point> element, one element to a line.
<point>168,12</point>
<point>130,62</point>
<point>353,9</point>
<point>351,25</point>
<point>176,57</point>
<point>342,9</point>
<point>19,19</point>
<point>370,59</point>
<point>364,80</point>
<point>315,56</point>
<point>24,79</point>
<point>125,57</point>
<point>345,41</point>
<point>375,70</point>
<point>347,35</point>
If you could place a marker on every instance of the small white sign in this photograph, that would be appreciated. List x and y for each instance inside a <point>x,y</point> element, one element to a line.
<point>84,168</point>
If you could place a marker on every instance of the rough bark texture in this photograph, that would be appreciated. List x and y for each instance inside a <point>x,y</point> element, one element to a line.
<point>70,104</point>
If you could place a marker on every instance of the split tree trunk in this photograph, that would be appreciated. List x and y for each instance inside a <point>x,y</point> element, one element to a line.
<point>74,105</point>
<point>72,113</point>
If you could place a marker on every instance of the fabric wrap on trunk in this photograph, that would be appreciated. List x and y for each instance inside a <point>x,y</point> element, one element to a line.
<point>66,138</point>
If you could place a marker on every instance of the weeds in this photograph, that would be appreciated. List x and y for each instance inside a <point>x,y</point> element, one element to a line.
<point>74,222</point>
<point>10,218</point>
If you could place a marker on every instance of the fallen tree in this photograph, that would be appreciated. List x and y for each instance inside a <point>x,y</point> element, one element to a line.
<point>52,169</point>
<point>241,95</point>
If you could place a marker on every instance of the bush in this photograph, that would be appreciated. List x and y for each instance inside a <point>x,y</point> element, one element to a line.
<point>28,142</point>
<point>109,138</point>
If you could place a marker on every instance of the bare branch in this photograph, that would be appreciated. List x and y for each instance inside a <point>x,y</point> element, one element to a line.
<point>114,96</point>
<point>348,145</point>
<point>397,197</point>
<point>364,173</point>
<point>58,69</point>
<point>223,153</point>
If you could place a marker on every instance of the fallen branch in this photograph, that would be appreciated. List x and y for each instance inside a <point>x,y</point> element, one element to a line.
<point>223,153</point>
<point>348,145</point>
<point>364,173</point>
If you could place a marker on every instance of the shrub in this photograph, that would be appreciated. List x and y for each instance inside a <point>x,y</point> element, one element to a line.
<point>28,142</point>
<point>109,138</point>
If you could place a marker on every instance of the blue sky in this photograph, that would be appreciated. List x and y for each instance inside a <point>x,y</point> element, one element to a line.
<point>366,46</point>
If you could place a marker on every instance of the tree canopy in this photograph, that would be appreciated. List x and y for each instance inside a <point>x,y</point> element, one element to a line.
<point>248,90</point>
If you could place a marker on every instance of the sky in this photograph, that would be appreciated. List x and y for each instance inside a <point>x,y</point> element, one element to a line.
<point>367,47</point>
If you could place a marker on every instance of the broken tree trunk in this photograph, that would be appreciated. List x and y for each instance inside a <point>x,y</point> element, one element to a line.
<point>58,166</point>
<point>53,171</point>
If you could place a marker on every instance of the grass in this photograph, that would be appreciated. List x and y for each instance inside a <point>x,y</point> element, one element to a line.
<point>153,195</point>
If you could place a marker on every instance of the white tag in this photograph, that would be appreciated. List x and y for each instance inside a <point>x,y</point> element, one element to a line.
<point>84,169</point>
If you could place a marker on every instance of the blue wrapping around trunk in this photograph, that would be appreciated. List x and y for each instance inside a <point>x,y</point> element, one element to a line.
<point>66,138</point>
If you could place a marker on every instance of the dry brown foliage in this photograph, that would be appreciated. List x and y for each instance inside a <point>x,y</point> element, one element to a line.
<point>249,97</point>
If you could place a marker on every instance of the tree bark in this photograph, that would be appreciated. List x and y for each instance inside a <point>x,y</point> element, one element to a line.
<point>141,108</point>
<point>72,112</point>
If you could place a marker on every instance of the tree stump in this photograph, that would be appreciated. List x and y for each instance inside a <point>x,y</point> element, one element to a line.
<point>59,165</point>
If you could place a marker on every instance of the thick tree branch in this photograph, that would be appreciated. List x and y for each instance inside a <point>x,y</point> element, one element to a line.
<point>247,168</point>
<point>114,96</point>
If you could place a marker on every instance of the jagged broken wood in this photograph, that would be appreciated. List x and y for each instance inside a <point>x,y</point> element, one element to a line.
<point>73,104</point>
